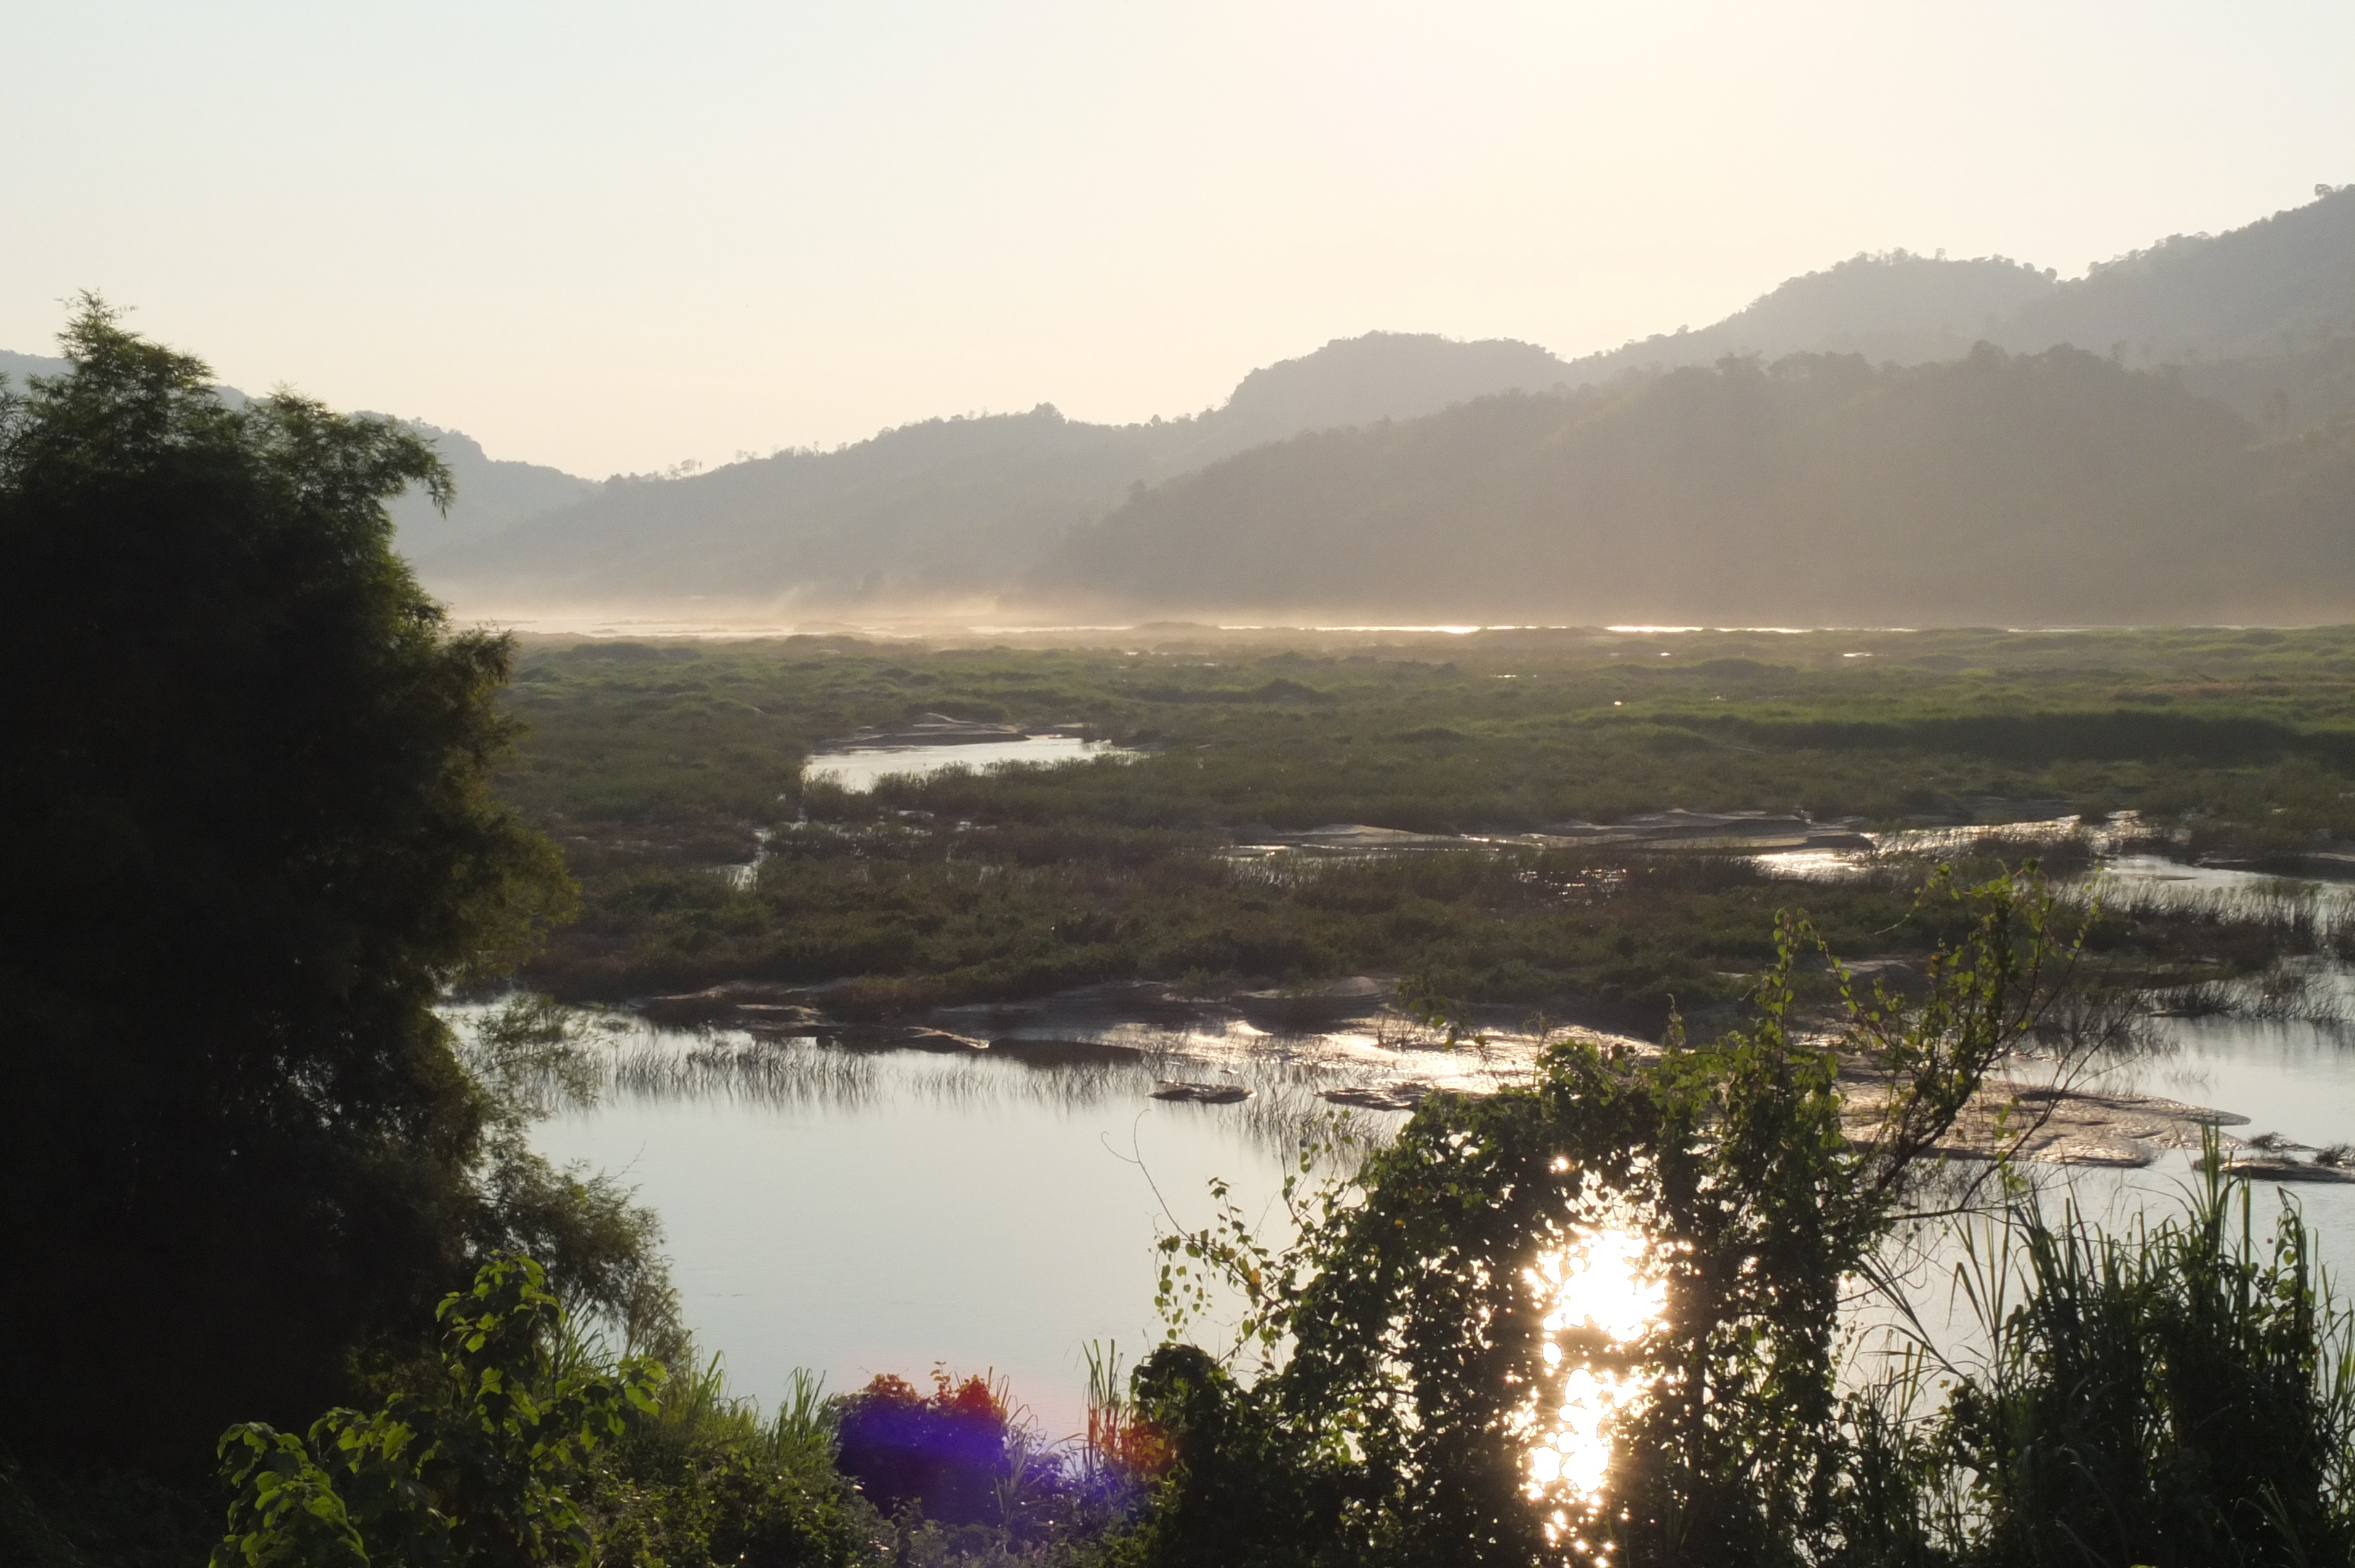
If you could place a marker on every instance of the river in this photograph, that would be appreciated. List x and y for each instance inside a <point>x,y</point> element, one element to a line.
<point>858,1211</point>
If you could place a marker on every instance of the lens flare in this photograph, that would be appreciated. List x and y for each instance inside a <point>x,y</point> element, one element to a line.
<point>1601,1303</point>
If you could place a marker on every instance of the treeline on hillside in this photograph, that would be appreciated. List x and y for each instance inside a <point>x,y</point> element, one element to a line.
<point>943,515</point>
<point>2059,487</point>
<point>947,509</point>
<point>2276,290</point>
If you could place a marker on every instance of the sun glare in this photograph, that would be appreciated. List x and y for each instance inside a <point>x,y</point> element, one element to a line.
<point>1599,1299</point>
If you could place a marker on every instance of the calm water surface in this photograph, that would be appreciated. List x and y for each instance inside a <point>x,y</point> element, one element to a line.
<point>857,770</point>
<point>982,1213</point>
<point>898,1209</point>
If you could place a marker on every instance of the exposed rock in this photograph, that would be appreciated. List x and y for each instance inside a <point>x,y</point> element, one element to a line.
<point>2062,1127</point>
<point>1301,1009</point>
<point>904,1037</point>
<point>1201,1094</point>
<point>1065,1053</point>
<point>1385,1097</point>
<point>1742,833</point>
<point>1084,1009</point>
<point>2277,1169</point>
<point>1683,824</point>
<point>1357,837</point>
<point>734,1002</point>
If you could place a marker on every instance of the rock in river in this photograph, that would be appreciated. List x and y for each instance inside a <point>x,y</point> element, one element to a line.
<point>1202,1094</point>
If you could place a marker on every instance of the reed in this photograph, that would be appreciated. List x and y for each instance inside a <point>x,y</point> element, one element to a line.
<point>2178,1391</point>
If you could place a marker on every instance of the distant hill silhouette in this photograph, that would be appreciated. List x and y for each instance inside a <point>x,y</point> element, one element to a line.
<point>494,494</point>
<point>2262,318</point>
<point>944,509</point>
<point>1897,306</point>
<point>1382,376</point>
<point>951,513</point>
<point>1362,443</point>
<point>2281,284</point>
<point>1817,490</point>
<point>15,368</point>
<point>948,509</point>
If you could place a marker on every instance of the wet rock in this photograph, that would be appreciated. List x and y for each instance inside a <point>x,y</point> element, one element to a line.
<point>1385,1096</point>
<point>1748,831</point>
<point>1300,1010</point>
<point>1065,1053</point>
<point>2061,1127</point>
<point>905,1037</point>
<point>781,1018</point>
<point>736,1001</point>
<point>1082,1011</point>
<point>2277,1169</point>
<point>1201,1094</point>
<point>1345,838</point>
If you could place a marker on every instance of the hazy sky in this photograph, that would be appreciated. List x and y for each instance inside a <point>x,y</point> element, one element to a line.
<point>612,236</point>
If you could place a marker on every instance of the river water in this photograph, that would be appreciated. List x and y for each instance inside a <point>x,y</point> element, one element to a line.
<point>857,769</point>
<point>869,1211</point>
<point>984,1213</point>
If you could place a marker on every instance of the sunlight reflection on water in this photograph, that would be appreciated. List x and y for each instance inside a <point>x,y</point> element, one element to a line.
<point>1603,1301</point>
<point>857,770</point>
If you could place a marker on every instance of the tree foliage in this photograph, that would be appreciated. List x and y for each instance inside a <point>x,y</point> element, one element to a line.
<point>1818,489</point>
<point>1416,1345</point>
<point>479,1476</point>
<point>253,840</point>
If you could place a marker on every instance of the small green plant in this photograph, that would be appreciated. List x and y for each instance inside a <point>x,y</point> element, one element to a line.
<point>477,1476</point>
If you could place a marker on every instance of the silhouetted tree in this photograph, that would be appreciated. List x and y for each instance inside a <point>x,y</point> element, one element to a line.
<point>251,840</point>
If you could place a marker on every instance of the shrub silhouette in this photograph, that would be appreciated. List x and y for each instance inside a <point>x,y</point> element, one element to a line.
<point>947,1453</point>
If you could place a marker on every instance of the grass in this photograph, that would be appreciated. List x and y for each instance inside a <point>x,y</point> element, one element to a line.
<point>653,764</point>
<point>2180,1391</point>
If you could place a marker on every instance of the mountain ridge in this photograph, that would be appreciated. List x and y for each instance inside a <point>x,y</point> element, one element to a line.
<point>948,514</point>
<point>1817,490</point>
<point>951,511</point>
<point>962,526</point>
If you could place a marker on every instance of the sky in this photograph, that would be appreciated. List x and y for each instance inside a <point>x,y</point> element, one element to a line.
<point>611,237</point>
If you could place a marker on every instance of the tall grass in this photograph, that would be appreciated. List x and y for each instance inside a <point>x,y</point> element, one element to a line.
<point>2176,1393</point>
<point>759,1070</point>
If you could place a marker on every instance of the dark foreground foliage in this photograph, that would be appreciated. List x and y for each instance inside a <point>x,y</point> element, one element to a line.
<point>532,1448</point>
<point>247,769</point>
<point>528,1450</point>
<point>2182,1394</point>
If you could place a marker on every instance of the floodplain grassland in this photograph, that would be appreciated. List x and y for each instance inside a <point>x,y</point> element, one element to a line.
<point>655,763</point>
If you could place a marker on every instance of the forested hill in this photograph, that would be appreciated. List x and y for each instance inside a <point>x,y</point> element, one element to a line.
<point>2261,317</point>
<point>17,368</point>
<point>1382,376</point>
<point>494,494</point>
<point>2278,285</point>
<point>1896,306</point>
<point>947,509</point>
<point>1819,490</point>
<point>2280,288</point>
